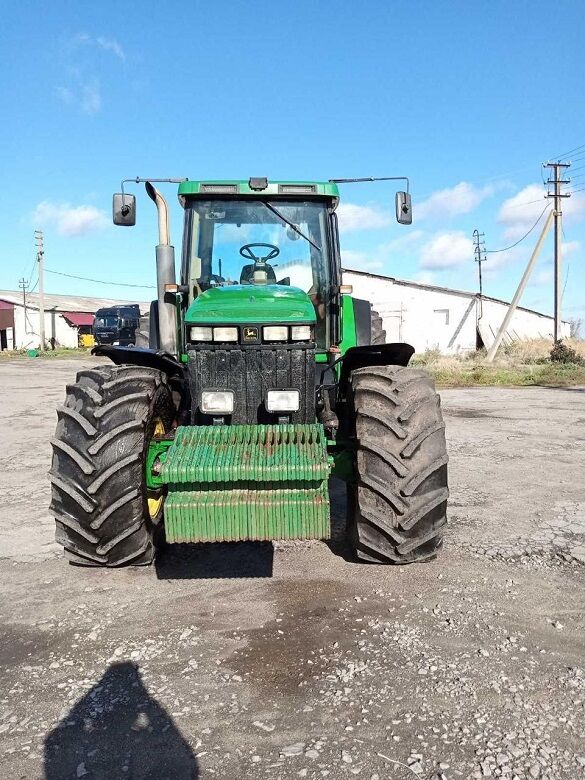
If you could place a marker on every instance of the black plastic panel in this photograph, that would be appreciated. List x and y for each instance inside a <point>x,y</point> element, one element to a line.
<point>250,373</point>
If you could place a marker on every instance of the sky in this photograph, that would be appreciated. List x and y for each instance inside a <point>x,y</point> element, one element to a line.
<point>466,98</point>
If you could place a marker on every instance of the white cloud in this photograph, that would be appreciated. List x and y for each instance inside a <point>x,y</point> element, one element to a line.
<point>426,277</point>
<point>106,44</point>
<point>353,217</point>
<point>90,98</point>
<point>85,94</point>
<point>111,44</point>
<point>521,211</point>
<point>70,220</point>
<point>452,201</point>
<point>446,250</point>
<point>570,247</point>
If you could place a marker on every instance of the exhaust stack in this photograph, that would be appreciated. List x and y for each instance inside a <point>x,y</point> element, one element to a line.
<point>165,274</point>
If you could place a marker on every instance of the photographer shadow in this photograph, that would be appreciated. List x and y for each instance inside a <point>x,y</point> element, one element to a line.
<point>117,730</point>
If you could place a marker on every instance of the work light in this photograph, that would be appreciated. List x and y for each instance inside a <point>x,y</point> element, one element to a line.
<point>217,401</point>
<point>282,401</point>
<point>300,332</point>
<point>275,333</point>
<point>201,334</point>
<point>225,334</point>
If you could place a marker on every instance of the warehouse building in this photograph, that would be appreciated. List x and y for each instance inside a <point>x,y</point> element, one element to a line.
<point>66,317</point>
<point>426,316</point>
<point>452,321</point>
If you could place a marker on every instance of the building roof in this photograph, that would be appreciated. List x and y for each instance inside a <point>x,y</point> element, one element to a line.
<point>436,288</point>
<point>66,303</point>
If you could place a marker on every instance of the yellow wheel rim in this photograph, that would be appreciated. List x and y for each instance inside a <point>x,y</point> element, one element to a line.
<point>155,503</point>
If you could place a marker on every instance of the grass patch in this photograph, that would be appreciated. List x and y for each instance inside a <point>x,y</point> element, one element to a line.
<point>563,375</point>
<point>58,352</point>
<point>521,364</point>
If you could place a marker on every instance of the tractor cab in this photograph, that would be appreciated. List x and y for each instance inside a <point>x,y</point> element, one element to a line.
<point>280,236</point>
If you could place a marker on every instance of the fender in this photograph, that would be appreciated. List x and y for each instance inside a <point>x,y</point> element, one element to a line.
<point>397,354</point>
<point>141,356</point>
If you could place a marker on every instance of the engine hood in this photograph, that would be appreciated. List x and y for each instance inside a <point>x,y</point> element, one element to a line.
<point>250,304</point>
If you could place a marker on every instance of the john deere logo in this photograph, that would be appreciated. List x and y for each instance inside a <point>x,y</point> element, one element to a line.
<point>250,334</point>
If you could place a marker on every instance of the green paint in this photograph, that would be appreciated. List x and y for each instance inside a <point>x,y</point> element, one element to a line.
<point>246,304</point>
<point>348,328</point>
<point>230,483</point>
<point>217,453</point>
<point>321,189</point>
<point>156,449</point>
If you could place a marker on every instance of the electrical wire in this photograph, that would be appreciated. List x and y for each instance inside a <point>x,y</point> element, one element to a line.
<point>505,249</point>
<point>572,192</point>
<point>526,203</point>
<point>99,281</point>
<point>565,154</point>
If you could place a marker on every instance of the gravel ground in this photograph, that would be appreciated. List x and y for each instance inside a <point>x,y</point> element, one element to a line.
<point>289,660</point>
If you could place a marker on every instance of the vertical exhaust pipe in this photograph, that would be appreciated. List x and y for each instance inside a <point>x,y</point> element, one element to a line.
<point>165,274</point>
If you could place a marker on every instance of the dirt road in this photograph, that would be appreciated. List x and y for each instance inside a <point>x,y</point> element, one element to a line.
<point>290,661</point>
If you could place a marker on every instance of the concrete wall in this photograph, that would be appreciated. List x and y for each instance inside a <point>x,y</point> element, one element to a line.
<point>441,319</point>
<point>27,333</point>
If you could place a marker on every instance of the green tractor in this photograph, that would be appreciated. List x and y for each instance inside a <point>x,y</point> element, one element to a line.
<point>262,378</point>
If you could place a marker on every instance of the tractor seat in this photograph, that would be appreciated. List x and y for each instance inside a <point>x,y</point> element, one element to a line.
<point>247,274</point>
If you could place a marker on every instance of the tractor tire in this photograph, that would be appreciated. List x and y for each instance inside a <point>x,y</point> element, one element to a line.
<point>378,332</point>
<point>104,513</point>
<point>397,506</point>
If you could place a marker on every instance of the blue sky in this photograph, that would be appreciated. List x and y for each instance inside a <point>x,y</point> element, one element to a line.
<point>466,98</point>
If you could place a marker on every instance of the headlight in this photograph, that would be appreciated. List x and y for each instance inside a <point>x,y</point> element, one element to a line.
<point>201,334</point>
<point>225,334</point>
<point>275,333</point>
<point>282,401</point>
<point>301,333</point>
<point>217,401</point>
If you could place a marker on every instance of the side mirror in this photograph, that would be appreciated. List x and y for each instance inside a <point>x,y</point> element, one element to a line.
<point>124,209</point>
<point>404,208</point>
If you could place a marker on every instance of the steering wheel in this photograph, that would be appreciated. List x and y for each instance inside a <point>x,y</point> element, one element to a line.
<point>246,251</point>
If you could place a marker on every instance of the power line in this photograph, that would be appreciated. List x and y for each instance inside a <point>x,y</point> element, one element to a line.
<point>99,281</point>
<point>505,249</point>
<point>564,154</point>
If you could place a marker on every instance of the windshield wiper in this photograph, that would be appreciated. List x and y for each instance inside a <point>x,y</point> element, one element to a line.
<point>290,224</point>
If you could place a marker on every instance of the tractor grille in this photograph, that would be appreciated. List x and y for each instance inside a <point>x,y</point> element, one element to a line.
<point>250,373</point>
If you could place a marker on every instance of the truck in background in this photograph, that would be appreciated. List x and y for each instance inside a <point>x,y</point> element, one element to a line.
<point>116,325</point>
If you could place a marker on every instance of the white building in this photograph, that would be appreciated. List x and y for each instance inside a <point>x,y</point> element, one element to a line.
<point>451,321</point>
<point>64,315</point>
<point>423,315</point>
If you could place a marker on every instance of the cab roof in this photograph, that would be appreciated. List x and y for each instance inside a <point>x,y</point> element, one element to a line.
<point>258,187</point>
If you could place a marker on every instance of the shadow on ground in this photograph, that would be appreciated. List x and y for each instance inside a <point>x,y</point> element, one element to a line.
<point>117,730</point>
<point>232,560</point>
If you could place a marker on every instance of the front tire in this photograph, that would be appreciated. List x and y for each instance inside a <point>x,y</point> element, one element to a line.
<point>99,494</point>
<point>397,506</point>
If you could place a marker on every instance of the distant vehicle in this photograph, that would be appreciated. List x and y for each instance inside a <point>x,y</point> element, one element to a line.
<point>116,325</point>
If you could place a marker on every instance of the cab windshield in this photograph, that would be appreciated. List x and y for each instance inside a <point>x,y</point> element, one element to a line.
<point>294,234</point>
<point>109,321</point>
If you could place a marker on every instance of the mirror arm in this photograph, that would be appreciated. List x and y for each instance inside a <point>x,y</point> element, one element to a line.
<point>373,178</point>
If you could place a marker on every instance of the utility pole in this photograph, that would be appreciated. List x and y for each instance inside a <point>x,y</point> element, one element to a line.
<point>23,284</point>
<point>518,294</point>
<point>558,215</point>
<point>479,253</point>
<point>41,260</point>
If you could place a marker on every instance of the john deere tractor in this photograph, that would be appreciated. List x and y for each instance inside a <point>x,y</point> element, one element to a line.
<point>262,378</point>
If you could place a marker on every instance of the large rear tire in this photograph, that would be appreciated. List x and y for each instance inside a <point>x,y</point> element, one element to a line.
<point>378,332</point>
<point>105,514</point>
<point>397,506</point>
